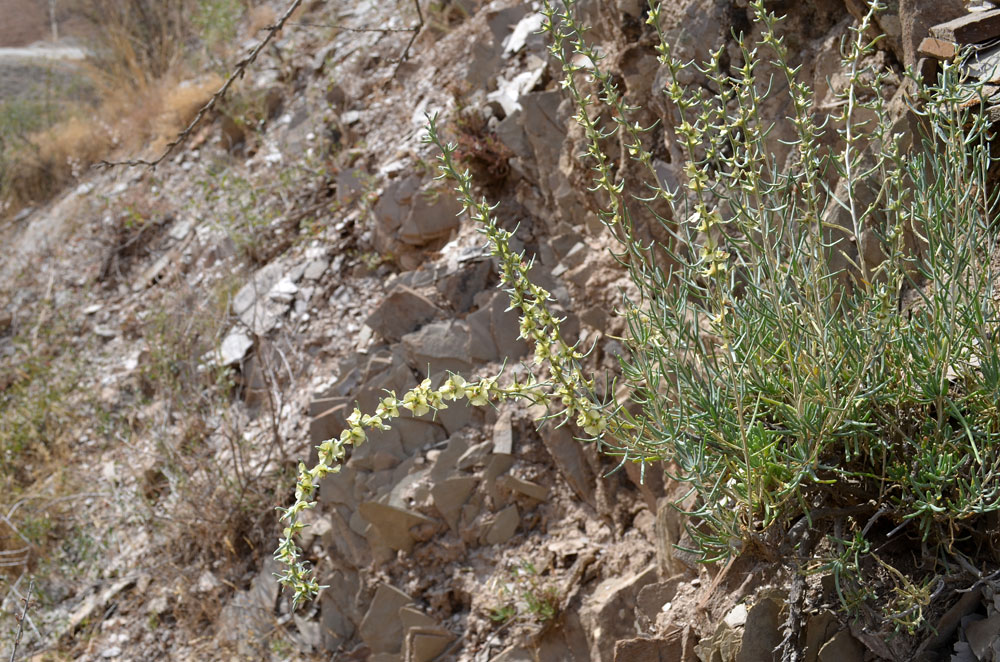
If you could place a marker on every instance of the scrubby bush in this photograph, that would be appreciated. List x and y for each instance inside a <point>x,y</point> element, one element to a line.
<point>814,348</point>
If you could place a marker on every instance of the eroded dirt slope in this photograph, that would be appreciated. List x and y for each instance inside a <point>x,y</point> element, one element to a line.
<point>193,332</point>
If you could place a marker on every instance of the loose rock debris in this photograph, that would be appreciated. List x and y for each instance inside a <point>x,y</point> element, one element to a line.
<point>384,286</point>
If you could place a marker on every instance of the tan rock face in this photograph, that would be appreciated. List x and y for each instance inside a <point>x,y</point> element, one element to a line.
<point>450,495</point>
<point>382,627</point>
<point>403,311</point>
<point>393,524</point>
<point>503,527</point>
<point>916,18</point>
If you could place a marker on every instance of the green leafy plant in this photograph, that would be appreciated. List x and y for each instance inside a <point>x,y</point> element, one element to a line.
<point>216,20</point>
<point>816,340</point>
<point>521,593</point>
<point>264,214</point>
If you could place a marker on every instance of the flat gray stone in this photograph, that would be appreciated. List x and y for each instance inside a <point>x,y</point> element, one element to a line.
<point>642,649</point>
<point>413,212</point>
<point>501,23</point>
<point>417,433</point>
<point>249,616</point>
<point>981,634</point>
<point>459,287</point>
<point>382,628</point>
<point>411,617</point>
<point>446,461</point>
<point>316,268</point>
<point>439,346</point>
<point>476,456</point>
<point>514,654</point>
<point>525,487</point>
<point>342,542</point>
<point>505,325</point>
<point>842,648</point>
<point>820,628</point>
<point>392,206</point>
<point>402,311</point>
<point>424,638</point>
<point>503,435</point>
<point>762,633</point>
<point>569,457</point>
<point>651,598</point>
<point>283,291</point>
<point>504,526</point>
<point>511,133</point>
<point>425,646</point>
<point>600,612</point>
<point>498,465</point>
<point>336,624</point>
<point>382,450</point>
<point>393,524</point>
<point>331,421</point>
<point>482,347</point>
<point>450,495</point>
<point>252,304</point>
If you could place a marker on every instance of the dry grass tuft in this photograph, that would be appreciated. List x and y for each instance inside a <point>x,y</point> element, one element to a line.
<point>48,160</point>
<point>181,103</point>
<point>139,72</point>
<point>260,18</point>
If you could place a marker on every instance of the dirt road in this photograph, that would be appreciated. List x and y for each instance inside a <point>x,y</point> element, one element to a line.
<point>24,22</point>
<point>43,53</point>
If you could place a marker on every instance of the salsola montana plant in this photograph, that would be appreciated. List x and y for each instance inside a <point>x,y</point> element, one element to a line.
<point>817,338</point>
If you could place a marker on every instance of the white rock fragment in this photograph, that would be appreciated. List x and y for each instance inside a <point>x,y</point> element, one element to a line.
<point>207,583</point>
<point>737,617</point>
<point>316,268</point>
<point>527,26</point>
<point>234,347</point>
<point>181,229</point>
<point>509,92</point>
<point>283,291</point>
<point>105,332</point>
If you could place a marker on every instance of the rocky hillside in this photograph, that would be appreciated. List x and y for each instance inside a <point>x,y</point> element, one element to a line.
<point>174,341</point>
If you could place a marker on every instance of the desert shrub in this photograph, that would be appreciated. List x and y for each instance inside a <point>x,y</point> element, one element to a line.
<point>136,40</point>
<point>800,351</point>
<point>809,351</point>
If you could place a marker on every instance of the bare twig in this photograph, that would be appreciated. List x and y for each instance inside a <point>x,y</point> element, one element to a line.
<point>347,28</point>
<point>6,520</point>
<point>790,647</point>
<point>238,72</point>
<point>276,404</point>
<point>49,500</point>
<point>413,37</point>
<point>20,563</point>
<point>20,621</point>
<point>47,300</point>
